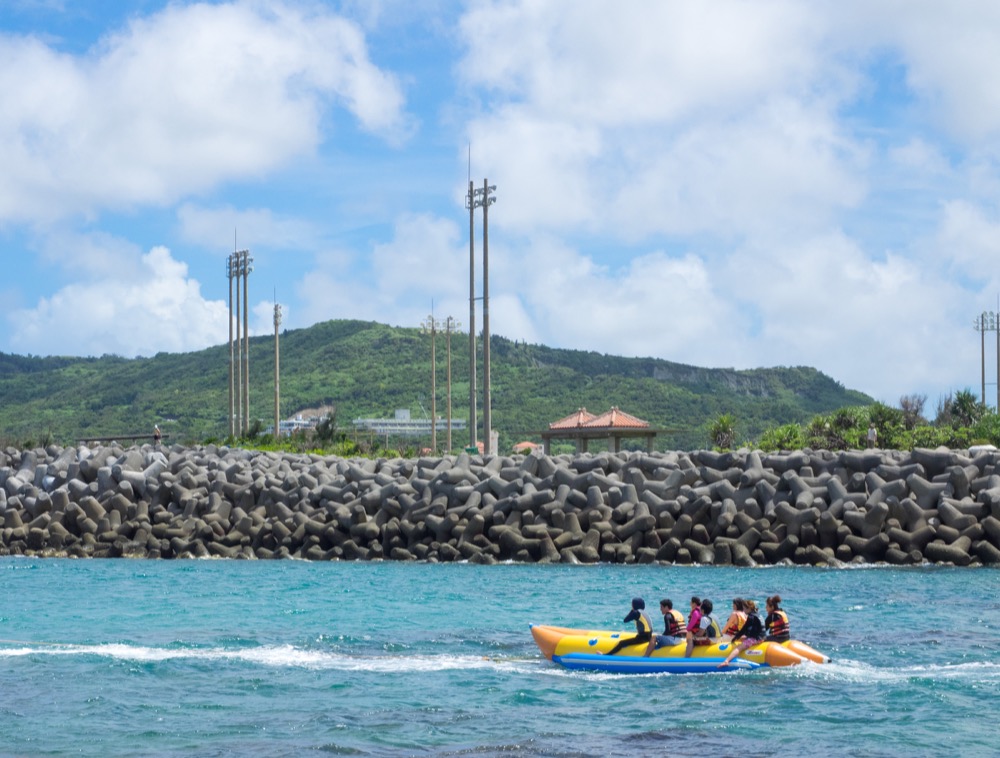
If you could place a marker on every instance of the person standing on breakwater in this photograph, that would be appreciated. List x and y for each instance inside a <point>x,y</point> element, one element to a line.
<point>736,618</point>
<point>872,434</point>
<point>643,627</point>
<point>776,622</point>
<point>752,630</point>
<point>157,435</point>
<point>673,627</point>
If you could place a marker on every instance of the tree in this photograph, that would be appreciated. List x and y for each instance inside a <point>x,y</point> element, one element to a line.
<point>966,409</point>
<point>722,432</point>
<point>913,410</point>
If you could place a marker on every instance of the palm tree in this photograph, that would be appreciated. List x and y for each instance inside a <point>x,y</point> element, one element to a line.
<point>722,432</point>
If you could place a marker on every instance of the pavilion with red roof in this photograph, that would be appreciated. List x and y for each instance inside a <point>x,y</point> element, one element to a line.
<point>583,426</point>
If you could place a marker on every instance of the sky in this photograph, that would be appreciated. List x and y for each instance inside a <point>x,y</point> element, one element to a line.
<point>720,183</point>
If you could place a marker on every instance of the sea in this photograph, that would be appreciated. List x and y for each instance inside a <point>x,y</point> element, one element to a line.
<point>125,657</point>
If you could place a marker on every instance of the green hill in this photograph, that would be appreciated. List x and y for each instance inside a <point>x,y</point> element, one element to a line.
<point>368,370</point>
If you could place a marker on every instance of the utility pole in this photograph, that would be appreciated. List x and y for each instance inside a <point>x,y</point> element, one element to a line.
<point>450,324</point>
<point>470,203</point>
<point>277,373</point>
<point>430,326</point>
<point>232,419</point>
<point>486,201</point>
<point>239,350</point>
<point>240,264</point>
<point>247,263</point>
<point>988,321</point>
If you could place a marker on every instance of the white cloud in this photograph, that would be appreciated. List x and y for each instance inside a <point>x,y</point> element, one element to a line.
<point>970,241</point>
<point>177,103</point>
<point>642,63</point>
<point>142,309</point>
<point>265,228</point>
<point>667,118</point>
<point>425,261</point>
<point>950,50</point>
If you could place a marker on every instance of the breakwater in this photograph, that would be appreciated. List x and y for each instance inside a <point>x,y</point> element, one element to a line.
<point>735,508</point>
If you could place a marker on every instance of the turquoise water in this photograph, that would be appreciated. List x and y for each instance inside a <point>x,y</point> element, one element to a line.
<point>170,658</point>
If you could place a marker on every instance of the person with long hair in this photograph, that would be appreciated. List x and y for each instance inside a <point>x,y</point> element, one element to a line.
<point>776,623</point>
<point>749,633</point>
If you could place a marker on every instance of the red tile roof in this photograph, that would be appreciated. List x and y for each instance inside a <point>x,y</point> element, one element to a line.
<point>574,420</point>
<point>615,419</point>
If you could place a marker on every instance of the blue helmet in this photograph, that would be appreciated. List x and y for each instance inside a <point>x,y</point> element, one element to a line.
<point>638,604</point>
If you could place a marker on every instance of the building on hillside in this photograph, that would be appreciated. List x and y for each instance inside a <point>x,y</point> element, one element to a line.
<point>583,426</point>
<point>289,426</point>
<point>402,425</point>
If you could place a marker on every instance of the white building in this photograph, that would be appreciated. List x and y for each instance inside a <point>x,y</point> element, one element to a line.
<point>402,425</point>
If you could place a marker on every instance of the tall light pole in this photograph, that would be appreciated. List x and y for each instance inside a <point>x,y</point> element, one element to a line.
<point>232,358</point>
<point>247,263</point>
<point>487,200</point>
<point>450,324</point>
<point>472,204</point>
<point>430,326</point>
<point>988,321</point>
<point>237,267</point>
<point>277,373</point>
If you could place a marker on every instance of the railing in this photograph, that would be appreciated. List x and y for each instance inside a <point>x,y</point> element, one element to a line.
<point>117,437</point>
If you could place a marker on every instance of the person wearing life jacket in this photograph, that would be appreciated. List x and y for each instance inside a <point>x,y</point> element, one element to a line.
<point>748,635</point>
<point>776,623</point>
<point>708,630</point>
<point>673,627</point>
<point>643,627</point>
<point>735,620</point>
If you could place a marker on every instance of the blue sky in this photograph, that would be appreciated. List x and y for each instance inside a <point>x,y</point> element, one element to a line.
<point>718,183</point>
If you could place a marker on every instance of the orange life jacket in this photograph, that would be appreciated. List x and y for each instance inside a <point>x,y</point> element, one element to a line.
<point>674,623</point>
<point>733,627</point>
<point>779,625</point>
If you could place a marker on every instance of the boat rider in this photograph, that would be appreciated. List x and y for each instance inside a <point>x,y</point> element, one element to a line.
<point>707,631</point>
<point>736,618</point>
<point>643,627</point>
<point>752,630</point>
<point>776,622</point>
<point>673,627</point>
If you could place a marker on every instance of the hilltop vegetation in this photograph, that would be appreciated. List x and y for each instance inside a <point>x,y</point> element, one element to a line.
<point>365,369</point>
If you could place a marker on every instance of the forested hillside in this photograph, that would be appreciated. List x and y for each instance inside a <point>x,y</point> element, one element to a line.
<point>368,369</point>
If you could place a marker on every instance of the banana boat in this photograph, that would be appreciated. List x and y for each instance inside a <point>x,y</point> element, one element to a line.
<point>585,649</point>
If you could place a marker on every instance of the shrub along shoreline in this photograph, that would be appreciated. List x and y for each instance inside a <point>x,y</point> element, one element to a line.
<point>742,508</point>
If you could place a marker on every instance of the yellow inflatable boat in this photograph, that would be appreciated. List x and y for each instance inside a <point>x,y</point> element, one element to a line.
<point>586,649</point>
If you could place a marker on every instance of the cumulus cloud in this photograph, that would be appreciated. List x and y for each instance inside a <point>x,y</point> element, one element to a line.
<point>675,118</point>
<point>744,153</point>
<point>129,310</point>
<point>426,260</point>
<point>178,102</point>
<point>202,225</point>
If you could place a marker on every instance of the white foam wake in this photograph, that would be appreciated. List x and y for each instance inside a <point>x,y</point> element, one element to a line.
<point>858,671</point>
<point>277,656</point>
